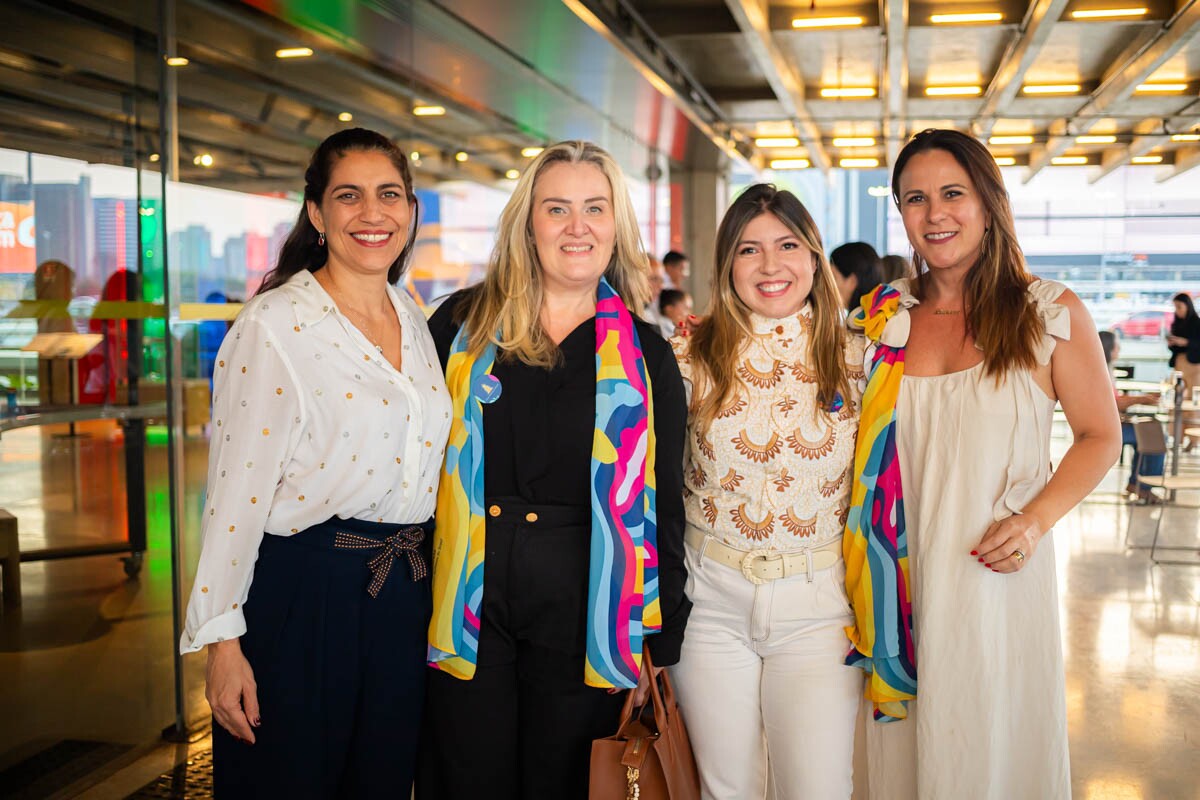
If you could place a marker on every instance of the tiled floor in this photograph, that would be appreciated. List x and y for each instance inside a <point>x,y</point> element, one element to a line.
<point>89,654</point>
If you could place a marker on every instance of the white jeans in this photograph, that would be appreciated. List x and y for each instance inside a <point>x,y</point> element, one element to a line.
<point>761,681</point>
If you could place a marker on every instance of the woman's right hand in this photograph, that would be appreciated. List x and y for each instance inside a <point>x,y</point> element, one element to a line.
<point>231,691</point>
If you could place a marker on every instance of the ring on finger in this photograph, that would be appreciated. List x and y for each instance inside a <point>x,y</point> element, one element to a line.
<point>1019,556</point>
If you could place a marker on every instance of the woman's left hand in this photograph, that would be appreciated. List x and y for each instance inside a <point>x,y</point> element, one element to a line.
<point>643,688</point>
<point>1008,544</point>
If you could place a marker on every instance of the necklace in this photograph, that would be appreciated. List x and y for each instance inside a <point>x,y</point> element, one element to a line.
<point>944,311</point>
<point>367,328</point>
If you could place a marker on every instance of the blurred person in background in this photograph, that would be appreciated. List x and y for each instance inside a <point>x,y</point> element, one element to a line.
<point>893,268</point>
<point>678,269</point>
<point>856,268</point>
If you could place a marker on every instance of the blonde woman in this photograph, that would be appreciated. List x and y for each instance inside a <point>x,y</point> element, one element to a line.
<point>773,417</point>
<point>577,493</point>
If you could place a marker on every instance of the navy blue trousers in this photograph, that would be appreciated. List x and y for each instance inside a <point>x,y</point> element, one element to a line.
<point>340,674</point>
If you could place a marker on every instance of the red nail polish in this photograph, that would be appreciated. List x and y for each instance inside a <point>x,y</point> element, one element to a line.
<point>981,560</point>
<point>257,721</point>
<point>974,553</point>
<point>989,566</point>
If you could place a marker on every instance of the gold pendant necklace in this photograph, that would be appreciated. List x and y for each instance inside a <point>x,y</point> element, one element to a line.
<point>945,311</point>
<point>368,330</point>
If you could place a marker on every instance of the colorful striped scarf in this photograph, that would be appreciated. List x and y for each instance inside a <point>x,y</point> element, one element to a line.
<point>623,603</point>
<point>875,545</point>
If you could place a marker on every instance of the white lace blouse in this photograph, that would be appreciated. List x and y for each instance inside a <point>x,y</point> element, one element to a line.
<point>770,473</point>
<point>310,421</point>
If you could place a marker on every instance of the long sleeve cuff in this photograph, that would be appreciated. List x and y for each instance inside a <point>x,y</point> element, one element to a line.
<point>665,646</point>
<point>229,625</point>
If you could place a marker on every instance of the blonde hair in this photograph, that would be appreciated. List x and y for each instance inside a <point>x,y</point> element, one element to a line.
<point>505,308</point>
<point>717,341</point>
<point>1005,324</point>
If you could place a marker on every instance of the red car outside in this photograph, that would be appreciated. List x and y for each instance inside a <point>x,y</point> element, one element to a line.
<point>1152,324</point>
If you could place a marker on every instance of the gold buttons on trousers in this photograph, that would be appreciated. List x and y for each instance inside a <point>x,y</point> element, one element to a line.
<point>531,517</point>
<point>494,511</point>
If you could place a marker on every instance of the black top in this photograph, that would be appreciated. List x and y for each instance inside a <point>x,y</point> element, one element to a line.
<point>1186,328</point>
<point>539,443</point>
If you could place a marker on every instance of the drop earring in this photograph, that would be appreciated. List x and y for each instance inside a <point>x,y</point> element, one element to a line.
<point>320,238</point>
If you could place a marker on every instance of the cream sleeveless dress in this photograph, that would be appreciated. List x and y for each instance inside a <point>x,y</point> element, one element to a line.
<point>989,721</point>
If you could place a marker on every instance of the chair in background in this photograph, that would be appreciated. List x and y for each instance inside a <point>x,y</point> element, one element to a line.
<point>1152,441</point>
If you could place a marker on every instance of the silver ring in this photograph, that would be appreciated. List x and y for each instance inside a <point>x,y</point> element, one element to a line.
<point>1019,556</point>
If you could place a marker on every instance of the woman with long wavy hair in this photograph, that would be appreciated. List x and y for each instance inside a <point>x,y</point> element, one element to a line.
<point>774,378</point>
<point>949,565</point>
<point>558,552</point>
<point>330,419</point>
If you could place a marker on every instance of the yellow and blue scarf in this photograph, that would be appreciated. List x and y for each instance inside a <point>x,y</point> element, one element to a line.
<point>623,604</point>
<point>875,543</point>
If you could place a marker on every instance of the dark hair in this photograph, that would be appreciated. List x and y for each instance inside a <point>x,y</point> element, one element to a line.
<point>893,268</point>
<point>670,297</point>
<point>998,314</point>
<point>301,251</point>
<point>1108,343</point>
<point>1186,299</point>
<point>673,257</point>
<point>860,260</point>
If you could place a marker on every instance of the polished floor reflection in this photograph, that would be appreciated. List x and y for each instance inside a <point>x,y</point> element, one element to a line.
<point>88,654</point>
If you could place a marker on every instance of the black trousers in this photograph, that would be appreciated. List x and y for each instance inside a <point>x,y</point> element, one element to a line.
<point>523,727</point>
<point>340,674</point>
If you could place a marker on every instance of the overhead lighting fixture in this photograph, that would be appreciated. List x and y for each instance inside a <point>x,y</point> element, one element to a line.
<point>460,156</point>
<point>953,91</point>
<point>1069,161</point>
<point>294,52</point>
<point>1095,139</point>
<point>532,152</point>
<point>790,163</point>
<point>1161,88</point>
<point>1185,137</point>
<point>154,157</point>
<point>848,91</point>
<point>1147,160</point>
<point>965,19</point>
<point>858,163</point>
<point>512,174</point>
<point>415,155</point>
<point>827,22</point>
<point>1011,140</point>
<point>177,61</point>
<point>777,141</point>
<point>878,191</point>
<point>203,160</point>
<point>1005,161</point>
<point>853,141</point>
<point>345,116</point>
<point>428,111</point>
<point>1109,13</point>
<point>1052,88</point>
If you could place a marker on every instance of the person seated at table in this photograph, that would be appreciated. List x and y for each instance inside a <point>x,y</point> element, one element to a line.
<point>1148,464</point>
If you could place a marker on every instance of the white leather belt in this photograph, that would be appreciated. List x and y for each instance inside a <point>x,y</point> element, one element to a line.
<point>761,566</point>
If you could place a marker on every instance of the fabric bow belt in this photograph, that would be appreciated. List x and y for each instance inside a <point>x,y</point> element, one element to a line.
<point>405,542</point>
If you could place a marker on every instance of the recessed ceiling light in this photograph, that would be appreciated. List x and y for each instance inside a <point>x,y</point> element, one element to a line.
<point>962,19</point>
<point>345,116</point>
<point>203,160</point>
<point>428,111</point>
<point>858,163</point>
<point>1052,88</point>
<point>154,157</point>
<point>531,152</point>
<point>1069,161</point>
<point>827,22</point>
<point>177,61</point>
<point>294,52</point>
<point>1005,161</point>
<point>1108,13</point>
<point>460,156</point>
<point>1161,88</point>
<point>848,91</point>
<point>953,91</point>
<point>1186,137</point>
<point>1147,159</point>
<point>415,155</point>
<point>777,141</point>
<point>512,174</point>
<point>1095,139</point>
<point>1011,140</point>
<point>853,141</point>
<point>790,163</point>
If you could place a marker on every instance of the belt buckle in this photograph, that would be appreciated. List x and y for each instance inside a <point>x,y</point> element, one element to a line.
<point>748,564</point>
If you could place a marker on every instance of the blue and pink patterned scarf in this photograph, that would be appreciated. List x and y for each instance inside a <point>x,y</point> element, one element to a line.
<point>623,604</point>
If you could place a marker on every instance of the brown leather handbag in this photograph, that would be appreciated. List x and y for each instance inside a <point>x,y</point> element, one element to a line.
<point>649,757</point>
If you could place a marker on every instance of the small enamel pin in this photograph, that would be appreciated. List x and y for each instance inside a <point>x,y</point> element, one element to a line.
<point>487,389</point>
